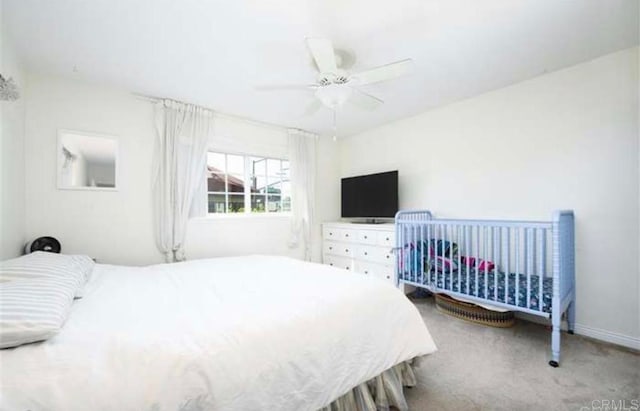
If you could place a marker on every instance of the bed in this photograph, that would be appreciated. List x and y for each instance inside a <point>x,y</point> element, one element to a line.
<point>238,333</point>
<point>523,266</point>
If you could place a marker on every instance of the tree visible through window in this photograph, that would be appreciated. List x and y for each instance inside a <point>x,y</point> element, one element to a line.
<point>247,184</point>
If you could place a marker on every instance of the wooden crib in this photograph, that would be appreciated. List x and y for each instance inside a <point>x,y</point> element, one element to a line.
<point>525,266</point>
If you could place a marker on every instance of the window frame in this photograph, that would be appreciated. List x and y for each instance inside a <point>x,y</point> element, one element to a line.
<point>247,213</point>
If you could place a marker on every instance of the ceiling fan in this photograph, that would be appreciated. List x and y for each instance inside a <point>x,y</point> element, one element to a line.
<point>334,85</point>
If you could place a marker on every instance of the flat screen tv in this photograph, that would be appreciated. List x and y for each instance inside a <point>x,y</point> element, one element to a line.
<point>370,196</point>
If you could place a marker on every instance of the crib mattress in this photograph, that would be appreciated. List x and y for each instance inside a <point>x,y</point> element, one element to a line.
<point>458,283</point>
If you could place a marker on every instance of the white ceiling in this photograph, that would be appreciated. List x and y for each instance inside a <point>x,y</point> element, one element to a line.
<point>213,52</point>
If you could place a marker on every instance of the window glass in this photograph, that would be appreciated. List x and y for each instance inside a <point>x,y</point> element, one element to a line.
<point>236,203</point>
<point>286,195</point>
<point>235,183</point>
<point>216,160</point>
<point>235,165</point>
<point>261,184</point>
<point>217,203</point>
<point>273,167</point>
<point>258,166</point>
<point>258,203</point>
<point>247,184</point>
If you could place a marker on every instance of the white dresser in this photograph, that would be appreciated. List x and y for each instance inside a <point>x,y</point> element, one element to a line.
<point>364,248</point>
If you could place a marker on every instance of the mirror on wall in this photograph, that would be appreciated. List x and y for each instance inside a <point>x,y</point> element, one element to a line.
<point>87,161</point>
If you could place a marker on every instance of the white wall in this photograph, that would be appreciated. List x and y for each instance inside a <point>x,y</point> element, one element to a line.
<point>12,217</point>
<point>327,189</point>
<point>568,139</point>
<point>116,227</point>
<point>113,227</point>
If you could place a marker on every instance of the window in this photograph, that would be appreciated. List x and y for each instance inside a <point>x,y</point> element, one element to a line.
<point>247,184</point>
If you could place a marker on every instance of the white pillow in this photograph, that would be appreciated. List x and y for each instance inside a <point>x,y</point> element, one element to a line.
<point>34,309</point>
<point>43,264</point>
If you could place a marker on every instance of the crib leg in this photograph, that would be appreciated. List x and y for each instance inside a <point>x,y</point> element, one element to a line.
<point>571,317</point>
<point>555,338</point>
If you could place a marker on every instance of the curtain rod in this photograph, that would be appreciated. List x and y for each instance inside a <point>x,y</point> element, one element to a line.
<point>155,99</point>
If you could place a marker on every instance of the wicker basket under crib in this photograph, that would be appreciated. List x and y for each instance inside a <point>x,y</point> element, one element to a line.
<point>474,313</point>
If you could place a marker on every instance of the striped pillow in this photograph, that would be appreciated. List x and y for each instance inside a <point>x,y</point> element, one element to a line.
<point>34,309</point>
<point>42,264</point>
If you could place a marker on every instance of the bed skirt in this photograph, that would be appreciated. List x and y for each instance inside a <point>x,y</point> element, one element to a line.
<point>379,393</point>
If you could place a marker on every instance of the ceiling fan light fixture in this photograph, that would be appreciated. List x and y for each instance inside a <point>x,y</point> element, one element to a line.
<point>333,95</point>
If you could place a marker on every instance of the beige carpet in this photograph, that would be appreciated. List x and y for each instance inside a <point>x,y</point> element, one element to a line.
<point>482,368</point>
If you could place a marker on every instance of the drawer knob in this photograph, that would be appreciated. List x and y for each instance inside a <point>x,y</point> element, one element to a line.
<point>330,248</point>
<point>346,250</point>
<point>348,268</point>
<point>331,264</point>
<point>387,239</point>
<point>330,233</point>
<point>365,237</point>
<point>388,277</point>
<point>366,253</point>
<point>346,235</point>
<point>366,272</point>
<point>387,256</point>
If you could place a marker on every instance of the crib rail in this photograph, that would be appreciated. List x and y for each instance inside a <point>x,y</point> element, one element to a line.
<point>413,215</point>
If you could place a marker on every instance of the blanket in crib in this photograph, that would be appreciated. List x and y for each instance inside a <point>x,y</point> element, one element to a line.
<point>441,270</point>
<point>468,285</point>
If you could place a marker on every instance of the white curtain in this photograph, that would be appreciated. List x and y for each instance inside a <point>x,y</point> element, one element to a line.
<point>179,172</point>
<point>302,160</point>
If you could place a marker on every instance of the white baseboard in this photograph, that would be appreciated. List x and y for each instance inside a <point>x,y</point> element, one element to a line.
<point>608,336</point>
<point>595,333</point>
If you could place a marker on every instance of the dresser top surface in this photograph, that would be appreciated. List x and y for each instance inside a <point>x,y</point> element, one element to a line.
<point>359,226</point>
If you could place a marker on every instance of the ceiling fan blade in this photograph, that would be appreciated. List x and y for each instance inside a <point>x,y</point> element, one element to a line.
<point>323,54</point>
<point>382,73</point>
<point>364,100</point>
<point>282,87</point>
<point>313,107</point>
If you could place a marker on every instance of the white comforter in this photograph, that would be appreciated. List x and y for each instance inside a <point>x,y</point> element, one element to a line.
<point>246,333</point>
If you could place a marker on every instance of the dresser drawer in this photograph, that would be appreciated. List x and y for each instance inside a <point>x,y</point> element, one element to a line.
<point>339,234</point>
<point>338,262</point>
<point>333,234</point>
<point>365,252</point>
<point>349,235</point>
<point>375,254</point>
<point>367,237</point>
<point>380,271</point>
<point>387,257</point>
<point>337,248</point>
<point>365,268</point>
<point>387,274</point>
<point>387,238</point>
